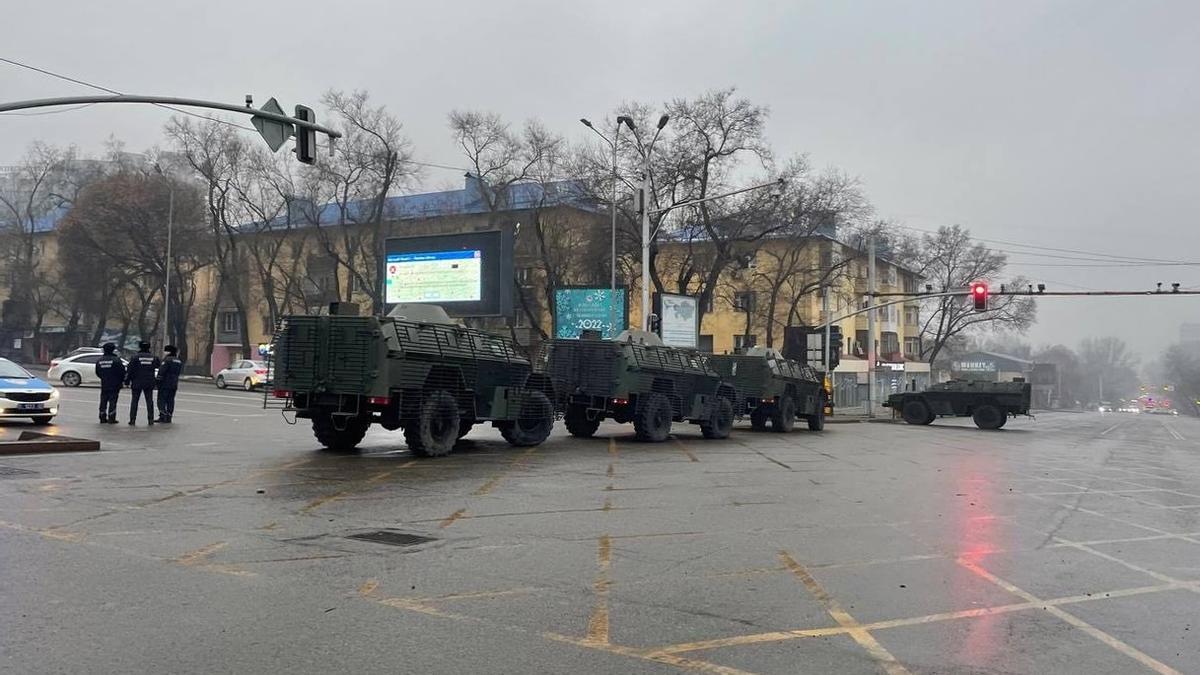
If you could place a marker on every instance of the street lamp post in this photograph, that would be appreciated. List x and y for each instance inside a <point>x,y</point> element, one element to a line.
<point>167,265</point>
<point>612,261</point>
<point>645,208</point>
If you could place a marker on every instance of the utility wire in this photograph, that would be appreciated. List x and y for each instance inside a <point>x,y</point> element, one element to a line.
<point>112,91</point>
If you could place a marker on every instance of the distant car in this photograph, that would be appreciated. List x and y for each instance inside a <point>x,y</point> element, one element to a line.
<point>75,352</point>
<point>1130,409</point>
<point>246,374</point>
<point>1105,408</point>
<point>23,395</point>
<point>75,370</point>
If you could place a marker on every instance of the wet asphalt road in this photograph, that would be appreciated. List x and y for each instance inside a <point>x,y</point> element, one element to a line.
<point>1065,544</point>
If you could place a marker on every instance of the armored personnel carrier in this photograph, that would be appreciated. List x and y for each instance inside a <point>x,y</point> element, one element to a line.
<point>989,404</point>
<point>772,389</point>
<point>415,370</point>
<point>635,378</point>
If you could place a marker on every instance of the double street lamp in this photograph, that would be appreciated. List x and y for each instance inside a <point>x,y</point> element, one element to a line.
<point>612,298</point>
<point>645,149</point>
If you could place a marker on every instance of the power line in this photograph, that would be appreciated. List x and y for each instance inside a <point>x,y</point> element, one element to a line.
<point>1060,250</point>
<point>85,83</point>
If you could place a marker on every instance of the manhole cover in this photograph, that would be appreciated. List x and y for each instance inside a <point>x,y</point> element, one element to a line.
<point>391,538</point>
<point>14,472</point>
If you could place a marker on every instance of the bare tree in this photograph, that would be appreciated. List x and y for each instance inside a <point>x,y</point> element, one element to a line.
<point>951,260</point>
<point>373,160</point>
<point>118,223</point>
<point>556,242</point>
<point>1110,368</point>
<point>218,158</point>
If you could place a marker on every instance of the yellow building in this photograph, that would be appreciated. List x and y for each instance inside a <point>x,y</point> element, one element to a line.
<point>777,283</point>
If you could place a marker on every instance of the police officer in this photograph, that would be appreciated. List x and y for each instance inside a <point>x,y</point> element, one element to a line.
<point>111,371</point>
<point>168,383</point>
<point>140,376</point>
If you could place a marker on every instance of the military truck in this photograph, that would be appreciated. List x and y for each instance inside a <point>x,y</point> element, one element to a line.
<point>990,404</point>
<point>415,370</point>
<point>635,378</point>
<point>772,389</point>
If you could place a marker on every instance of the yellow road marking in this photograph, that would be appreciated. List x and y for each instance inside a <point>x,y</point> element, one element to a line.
<point>321,501</point>
<point>1126,649</point>
<point>597,630</point>
<point>835,610</point>
<point>491,483</point>
<point>657,657</point>
<point>368,587</point>
<point>612,447</point>
<point>684,449</point>
<point>607,504</point>
<point>198,555</point>
<point>777,636</point>
<point>450,520</point>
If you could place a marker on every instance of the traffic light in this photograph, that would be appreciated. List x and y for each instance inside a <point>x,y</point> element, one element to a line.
<point>306,139</point>
<point>979,295</point>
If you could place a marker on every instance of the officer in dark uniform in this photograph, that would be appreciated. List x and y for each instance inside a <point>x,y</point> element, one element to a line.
<point>140,377</point>
<point>111,371</point>
<point>168,383</point>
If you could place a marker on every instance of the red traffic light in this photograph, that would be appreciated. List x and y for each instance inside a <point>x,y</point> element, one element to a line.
<point>979,294</point>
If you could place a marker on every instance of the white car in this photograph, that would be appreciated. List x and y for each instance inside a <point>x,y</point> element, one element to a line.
<point>246,374</point>
<point>74,370</point>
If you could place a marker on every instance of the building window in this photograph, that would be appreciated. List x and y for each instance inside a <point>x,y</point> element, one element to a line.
<point>891,275</point>
<point>912,347</point>
<point>912,315</point>
<point>525,276</point>
<point>744,301</point>
<point>229,323</point>
<point>910,283</point>
<point>706,344</point>
<point>860,342</point>
<point>742,342</point>
<point>890,343</point>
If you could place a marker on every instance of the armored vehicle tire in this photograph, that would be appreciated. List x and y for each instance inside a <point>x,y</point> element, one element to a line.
<point>435,430</point>
<point>758,419</point>
<point>534,423</point>
<point>346,438</point>
<point>916,411</point>
<point>721,422</point>
<point>578,423</point>
<point>783,419</point>
<point>653,421</point>
<point>988,416</point>
<point>816,421</point>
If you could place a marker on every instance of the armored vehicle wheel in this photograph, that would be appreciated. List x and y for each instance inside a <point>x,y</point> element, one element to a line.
<point>916,411</point>
<point>435,430</point>
<point>346,438</point>
<point>816,421</point>
<point>758,419</point>
<point>653,421</point>
<point>578,423</point>
<point>721,422</point>
<point>1003,421</point>
<point>784,418</point>
<point>988,416</point>
<point>464,428</point>
<point>533,424</point>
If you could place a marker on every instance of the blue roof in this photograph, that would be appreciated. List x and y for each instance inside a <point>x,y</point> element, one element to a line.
<point>466,201</point>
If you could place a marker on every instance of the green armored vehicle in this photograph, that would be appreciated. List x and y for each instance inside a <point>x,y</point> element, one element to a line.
<point>989,404</point>
<point>414,369</point>
<point>773,389</point>
<point>635,378</point>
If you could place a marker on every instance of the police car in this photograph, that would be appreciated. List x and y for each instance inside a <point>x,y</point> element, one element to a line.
<point>23,395</point>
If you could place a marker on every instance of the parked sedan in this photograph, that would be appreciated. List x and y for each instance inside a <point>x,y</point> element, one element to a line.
<point>75,370</point>
<point>23,395</point>
<point>246,374</point>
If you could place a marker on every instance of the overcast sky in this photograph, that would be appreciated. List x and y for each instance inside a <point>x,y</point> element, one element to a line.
<point>1073,125</point>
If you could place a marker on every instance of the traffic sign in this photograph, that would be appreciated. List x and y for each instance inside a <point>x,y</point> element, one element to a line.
<point>273,132</point>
